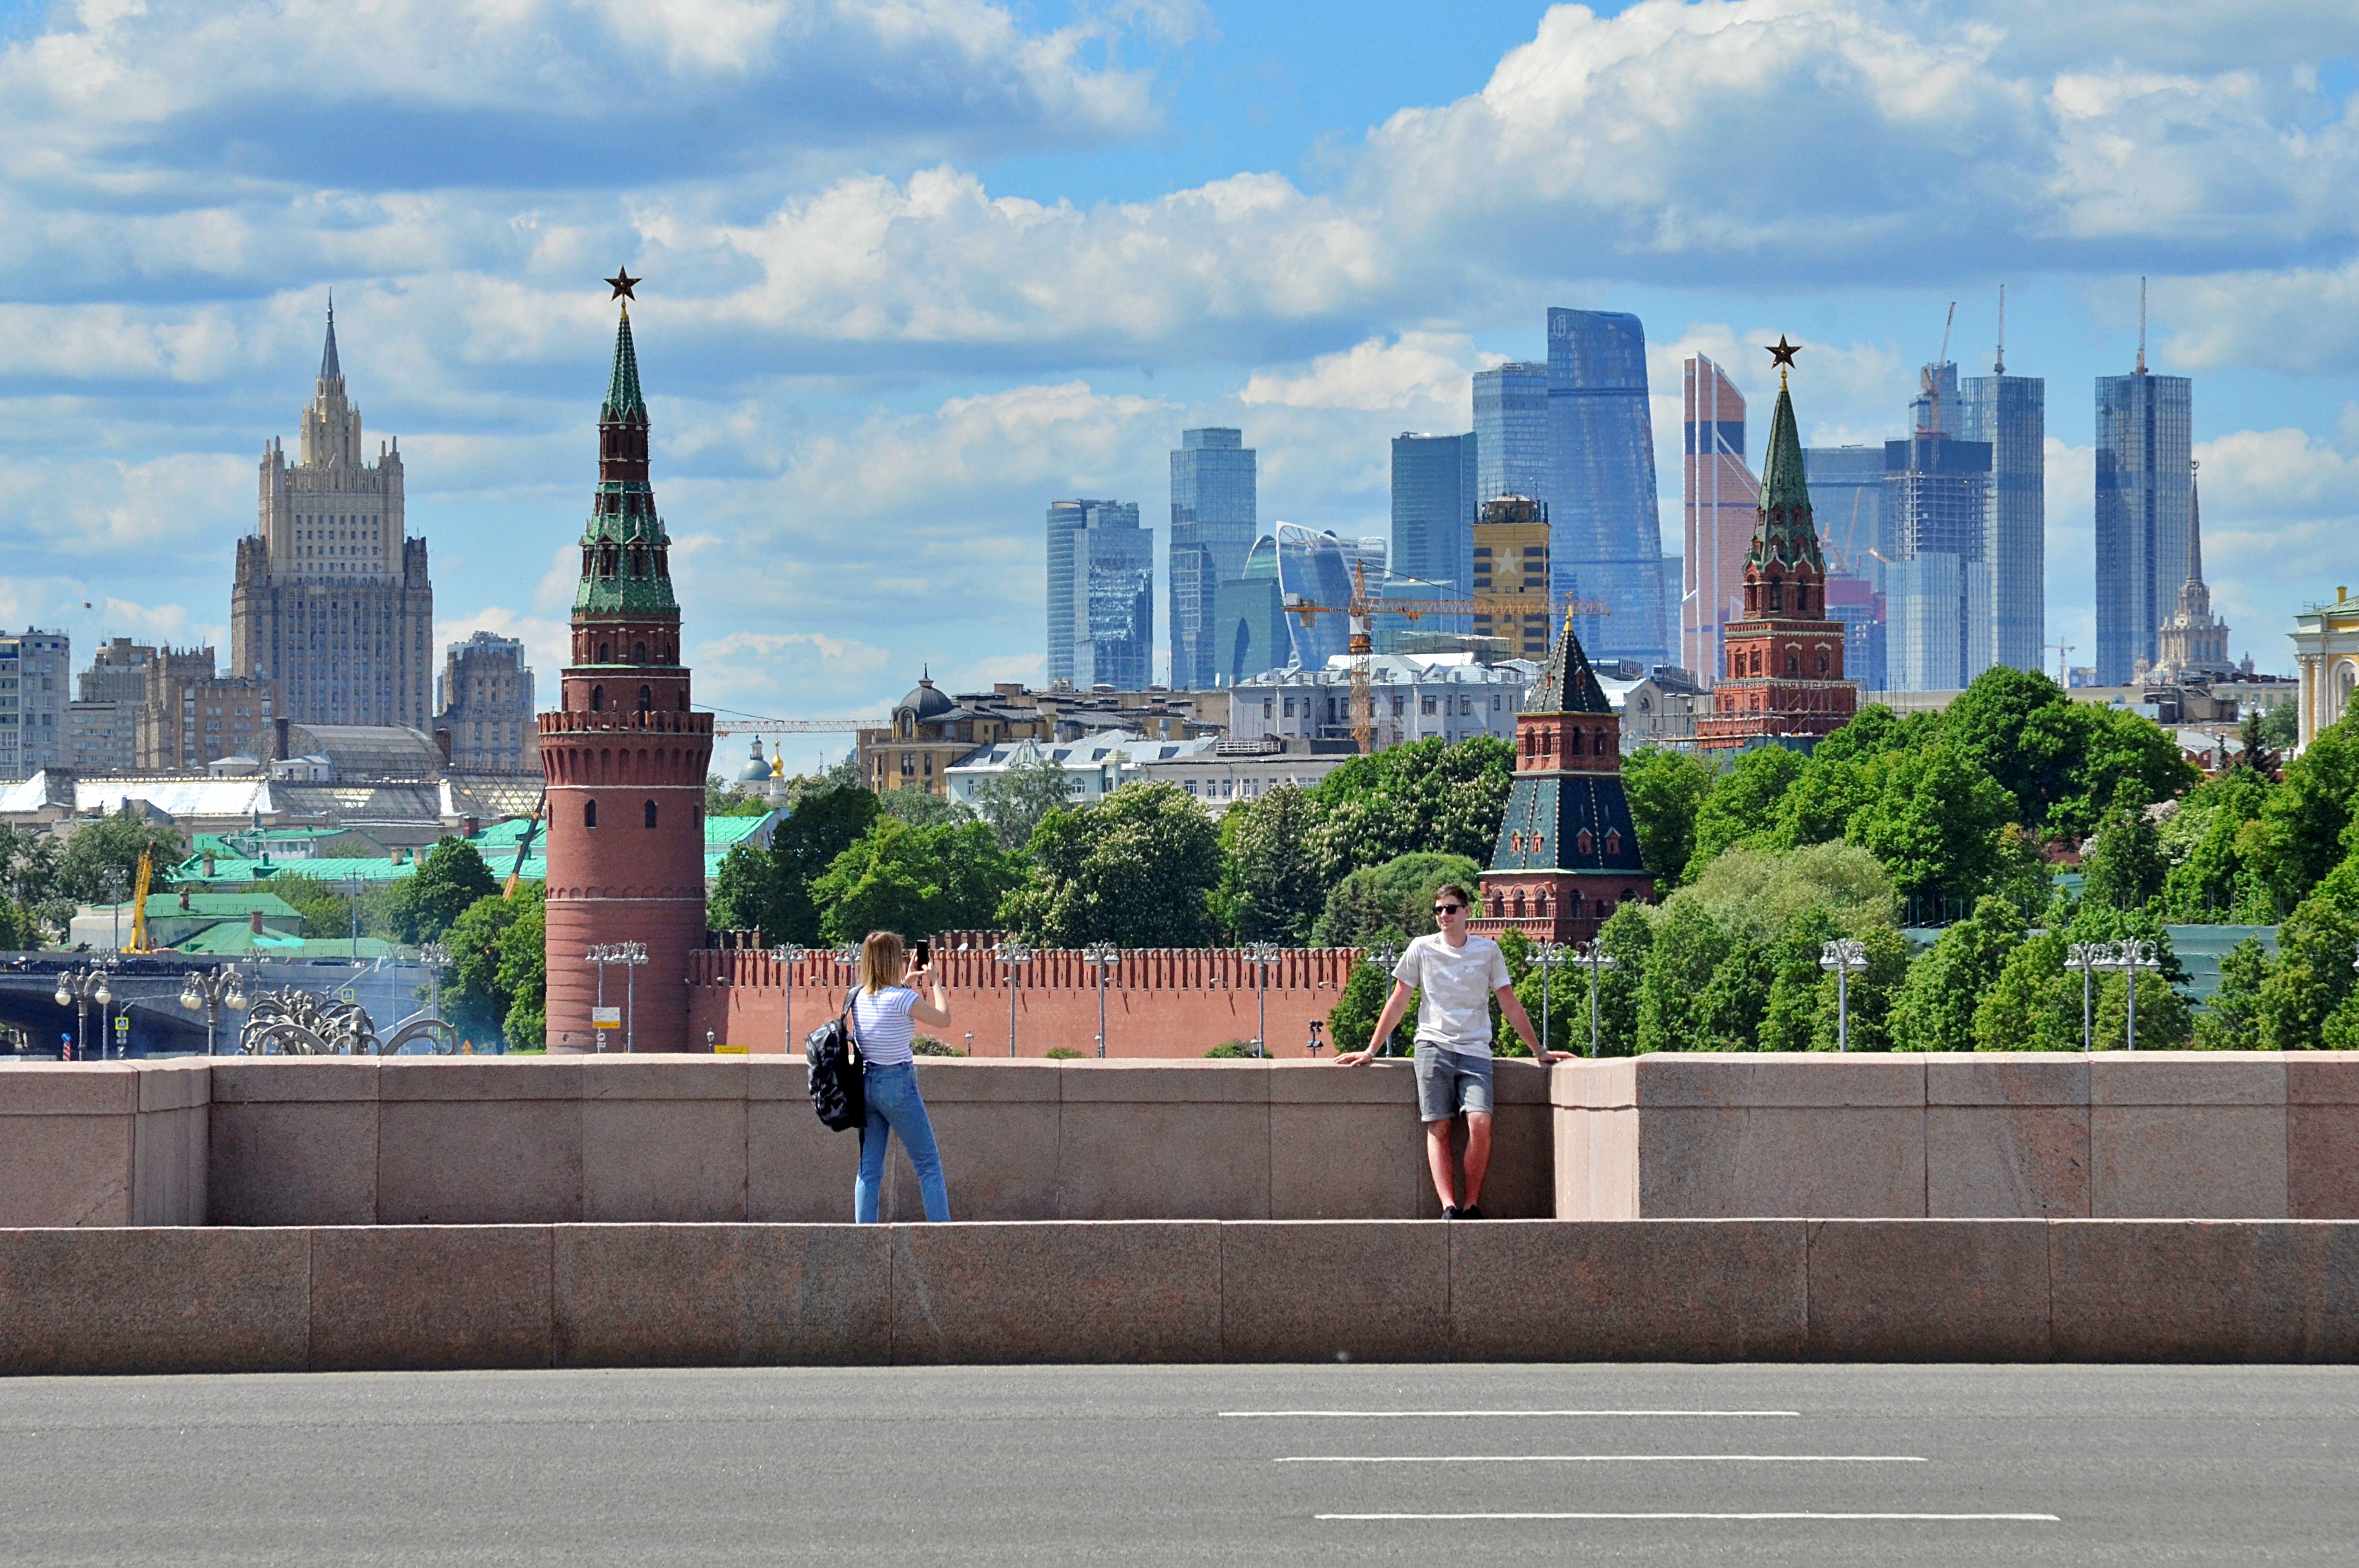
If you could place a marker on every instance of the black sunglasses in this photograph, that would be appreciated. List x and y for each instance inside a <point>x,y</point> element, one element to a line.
<point>1447,908</point>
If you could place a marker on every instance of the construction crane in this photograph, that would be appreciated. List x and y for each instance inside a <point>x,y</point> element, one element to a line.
<point>1362,611</point>
<point>140,885</point>
<point>2063,653</point>
<point>795,726</point>
<point>524,846</point>
<point>1930,376</point>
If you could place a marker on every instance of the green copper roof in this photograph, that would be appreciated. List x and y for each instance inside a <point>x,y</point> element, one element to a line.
<point>1567,683</point>
<point>623,399</point>
<point>1785,532</point>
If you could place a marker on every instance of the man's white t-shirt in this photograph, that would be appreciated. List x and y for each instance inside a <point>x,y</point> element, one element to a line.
<point>1455,1010</point>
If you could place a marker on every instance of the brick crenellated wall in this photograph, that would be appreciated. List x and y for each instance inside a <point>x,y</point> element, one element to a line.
<point>1160,1001</point>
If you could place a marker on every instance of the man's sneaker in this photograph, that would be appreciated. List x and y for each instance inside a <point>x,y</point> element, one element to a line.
<point>1470,1212</point>
<point>1451,1211</point>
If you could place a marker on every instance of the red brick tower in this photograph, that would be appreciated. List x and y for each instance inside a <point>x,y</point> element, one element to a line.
<point>1784,674</point>
<point>625,758</point>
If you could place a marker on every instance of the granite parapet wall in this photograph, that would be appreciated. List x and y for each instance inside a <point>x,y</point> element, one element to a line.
<point>2165,1134</point>
<point>449,1297</point>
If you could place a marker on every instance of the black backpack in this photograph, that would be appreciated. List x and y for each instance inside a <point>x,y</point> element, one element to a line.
<point>839,1093</point>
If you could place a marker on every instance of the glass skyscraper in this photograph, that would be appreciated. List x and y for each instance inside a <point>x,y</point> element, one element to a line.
<point>1435,484</point>
<point>1721,501</point>
<point>2145,431</point>
<point>1605,531</point>
<point>1511,431</point>
<point>1214,517</point>
<point>2010,413</point>
<point>1847,499</point>
<point>1250,635</point>
<point>1316,567</point>
<point>1937,581</point>
<point>1100,564</point>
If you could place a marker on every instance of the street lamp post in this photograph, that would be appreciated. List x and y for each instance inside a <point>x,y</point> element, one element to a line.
<point>212,990</point>
<point>2085,959</point>
<point>1012,953</point>
<point>435,956</point>
<point>1261,956</point>
<point>1382,958</point>
<point>1547,955</point>
<point>1594,953</point>
<point>1846,956</point>
<point>114,878</point>
<point>785,958</point>
<point>2128,957</point>
<point>77,989</point>
<point>1101,957</point>
<point>598,955</point>
<point>1318,1023</point>
<point>633,956</point>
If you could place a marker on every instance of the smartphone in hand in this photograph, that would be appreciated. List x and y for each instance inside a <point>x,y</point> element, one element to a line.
<point>921,954</point>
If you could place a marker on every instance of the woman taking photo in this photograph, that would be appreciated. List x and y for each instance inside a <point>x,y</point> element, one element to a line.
<point>886,1011</point>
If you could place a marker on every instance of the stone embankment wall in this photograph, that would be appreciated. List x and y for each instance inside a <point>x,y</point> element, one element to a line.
<point>1160,1001</point>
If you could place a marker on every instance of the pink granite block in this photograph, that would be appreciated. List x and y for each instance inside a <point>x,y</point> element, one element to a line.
<point>1161,1159</point>
<point>1377,1291</point>
<point>1628,1290</point>
<point>478,1161</point>
<point>499,1078</point>
<point>796,1169</point>
<point>721,1295</point>
<point>1932,1289</point>
<point>153,1301</point>
<point>2322,1078</point>
<point>168,1166</point>
<point>1517,1082</point>
<point>1612,1083</point>
<point>2202,1161</point>
<point>1383,1082</point>
<point>1131,1082</point>
<point>2187,1079</point>
<point>263,1080</point>
<point>1816,1162</point>
<point>1521,1182</point>
<point>2321,1159</point>
<point>1717,1079</point>
<point>2006,1162</point>
<point>70,1088</point>
<point>58,1169</point>
<point>1061,1293</point>
<point>664,1158</point>
<point>1573,1200</point>
<point>1348,1161</point>
<point>2249,1290</point>
<point>175,1083</point>
<point>298,1161</point>
<point>663,1077</point>
<point>1995,1078</point>
<point>992,1080</point>
<point>430,1297</point>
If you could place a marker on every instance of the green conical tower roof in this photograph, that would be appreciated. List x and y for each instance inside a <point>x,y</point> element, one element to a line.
<point>623,399</point>
<point>626,553</point>
<point>1567,683</point>
<point>1785,532</point>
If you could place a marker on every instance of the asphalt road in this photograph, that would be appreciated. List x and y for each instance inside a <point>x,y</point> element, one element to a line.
<point>1628,1464</point>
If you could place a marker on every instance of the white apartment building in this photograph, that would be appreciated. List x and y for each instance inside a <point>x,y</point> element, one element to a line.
<point>1417,697</point>
<point>35,688</point>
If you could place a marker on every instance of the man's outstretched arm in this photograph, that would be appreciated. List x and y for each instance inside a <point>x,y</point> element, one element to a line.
<point>1513,1006</point>
<point>1387,1022</point>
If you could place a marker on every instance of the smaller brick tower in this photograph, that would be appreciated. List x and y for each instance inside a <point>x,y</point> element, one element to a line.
<point>1568,852</point>
<point>1784,676</point>
<point>625,758</point>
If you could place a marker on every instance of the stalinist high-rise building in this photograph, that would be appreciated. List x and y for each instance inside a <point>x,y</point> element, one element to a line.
<point>332,600</point>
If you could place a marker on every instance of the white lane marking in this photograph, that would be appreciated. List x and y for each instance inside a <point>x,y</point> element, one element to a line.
<point>2011,1518</point>
<point>1604,1459</point>
<point>1453,1415</point>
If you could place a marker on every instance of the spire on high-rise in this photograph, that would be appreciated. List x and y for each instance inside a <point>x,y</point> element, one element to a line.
<point>1785,532</point>
<point>329,369</point>
<point>2194,525</point>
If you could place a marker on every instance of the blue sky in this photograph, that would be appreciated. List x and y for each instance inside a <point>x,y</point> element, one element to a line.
<point>914,270</point>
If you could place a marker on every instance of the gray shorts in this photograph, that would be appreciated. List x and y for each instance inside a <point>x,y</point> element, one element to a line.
<point>1449,1082</point>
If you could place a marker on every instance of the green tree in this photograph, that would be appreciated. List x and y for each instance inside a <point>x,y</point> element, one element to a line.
<point>1666,789</point>
<point>1935,1010</point>
<point>485,969</point>
<point>949,876</point>
<point>522,973</point>
<point>2281,726</point>
<point>1789,1012</point>
<point>921,807</point>
<point>1015,800</point>
<point>1270,887</point>
<point>2007,721</point>
<point>1429,795</point>
<point>2125,866</point>
<point>769,890</point>
<point>2301,824</point>
<point>1354,1017</point>
<point>335,912</point>
<point>2116,751</point>
<point>2312,975</point>
<point>29,881</point>
<point>723,799</point>
<point>448,882</point>
<point>1689,950</point>
<point>1771,890</point>
<point>1935,826</point>
<point>1871,995</point>
<point>1138,868</point>
<point>2210,878</point>
<point>114,845</point>
<point>2255,753</point>
<point>2035,1002</point>
<point>2232,1020</point>
<point>1743,803</point>
<point>1397,896</point>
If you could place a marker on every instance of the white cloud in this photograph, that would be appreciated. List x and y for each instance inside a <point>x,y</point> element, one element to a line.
<point>1415,368</point>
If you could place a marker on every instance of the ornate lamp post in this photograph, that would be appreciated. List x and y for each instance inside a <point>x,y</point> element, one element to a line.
<point>633,956</point>
<point>2128,957</point>
<point>212,990</point>
<point>1101,957</point>
<point>1318,1023</point>
<point>1547,955</point>
<point>1261,956</point>
<point>77,989</point>
<point>436,956</point>
<point>1012,953</point>
<point>785,958</point>
<point>2084,959</point>
<point>601,955</point>
<point>1846,956</point>
<point>1594,953</point>
<point>1382,958</point>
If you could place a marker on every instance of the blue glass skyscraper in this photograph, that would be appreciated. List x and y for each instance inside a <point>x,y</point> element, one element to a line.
<point>1511,434</point>
<point>1436,480</point>
<point>1214,517</point>
<point>2010,413</point>
<point>1606,534</point>
<point>1114,595</point>
<point>2145,430</point>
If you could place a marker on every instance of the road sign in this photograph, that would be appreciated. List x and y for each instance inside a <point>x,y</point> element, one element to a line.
<point>606,1017</point>
<point>347,994</point>
<point>123,1023</point>
<point>729,1051</point>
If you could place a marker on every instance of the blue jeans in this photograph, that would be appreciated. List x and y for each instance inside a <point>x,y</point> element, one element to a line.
<point>894,1106</point>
